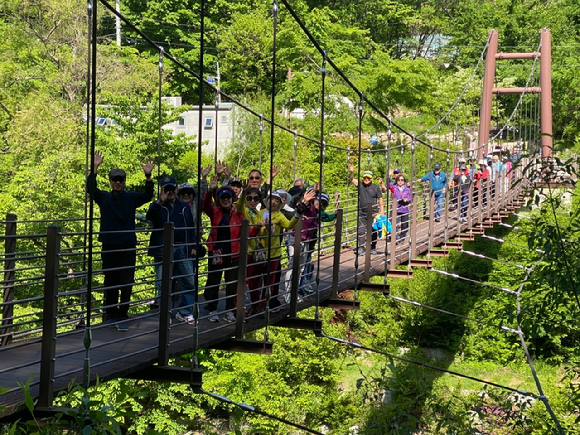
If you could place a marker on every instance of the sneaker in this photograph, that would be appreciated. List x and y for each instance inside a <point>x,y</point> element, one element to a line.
<point>361,251</point>
<point>213,317</point>
<point>187,318</point>
<point>229,317</point>
<point>112,323</point>
<point>437,220</point>
<point>122,326</point>
<point>374,252</point>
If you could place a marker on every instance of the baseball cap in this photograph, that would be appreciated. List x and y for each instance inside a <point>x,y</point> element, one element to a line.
<point>117,173</point>
<point>235,181</point>
<point>437,166</point>
<point>186,186</point>
<point>368,174</point>
<point>225,191</point>
<point>397,171</point>
<point>462,160</point>
<point>168,181</point>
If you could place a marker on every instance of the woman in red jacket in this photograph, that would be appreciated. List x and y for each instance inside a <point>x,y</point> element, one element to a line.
<point>223,246</point>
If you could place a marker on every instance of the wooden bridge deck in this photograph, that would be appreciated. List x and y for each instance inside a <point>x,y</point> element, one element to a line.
<point>116,354</point>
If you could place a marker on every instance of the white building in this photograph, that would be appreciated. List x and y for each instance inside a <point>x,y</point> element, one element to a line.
<point>218,125</point>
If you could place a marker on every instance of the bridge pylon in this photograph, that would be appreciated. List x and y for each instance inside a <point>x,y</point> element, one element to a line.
<point>545,90</point>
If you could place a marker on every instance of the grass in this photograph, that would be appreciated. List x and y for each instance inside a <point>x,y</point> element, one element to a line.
<point>517,375</point>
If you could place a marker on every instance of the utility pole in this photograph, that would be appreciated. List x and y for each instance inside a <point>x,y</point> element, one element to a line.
<point>219,95</point>
<point>118,22</point>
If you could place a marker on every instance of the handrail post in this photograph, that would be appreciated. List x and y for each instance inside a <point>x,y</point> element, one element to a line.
<point>431,218</point>
<point>394,231</point>
<point>470,206</point>
<point>368,243</point>
<point>165,297</point>
<point>49,317</point>
<point>337,252</point>
<point>480,201</point>
<point>296,267</point>
<point>242,276</point>
<point>9,274</point>
<point>413,232</point>
<point>489,202</point>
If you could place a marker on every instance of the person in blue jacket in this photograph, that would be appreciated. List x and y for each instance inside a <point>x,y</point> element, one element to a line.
<point>117,235</point>
<point>168,208</point>
<point>438,181</point>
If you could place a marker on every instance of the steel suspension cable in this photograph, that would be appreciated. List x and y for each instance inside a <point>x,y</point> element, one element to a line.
<point>456,276</point>
<point>358,191</point>
<point>87,338</point>
<point>275,10</point>
<point>450,313</point>
<point>320,184</point>
<point>428,366</point>
<point>159,121</point>
<point>256,410</point>
<point>195,337</point>
<point>462,93</point>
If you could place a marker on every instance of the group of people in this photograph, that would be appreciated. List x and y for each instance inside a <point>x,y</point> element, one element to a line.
<point>496,168</point>
<point>226,200</point>
<point>272,216</point>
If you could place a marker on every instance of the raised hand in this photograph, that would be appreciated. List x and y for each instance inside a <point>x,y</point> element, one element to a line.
<point>148,166</point>
<point>245,184</point>
<point>162,196</point>
<point>350,167</point>
<point>220,167</point>
<point>228,172</point>
<point>309,196</point>
<point>380,180</point>
<point>275,171</point>
<point>205,171</point>
<point>213,184</point>
<point>97,160</point>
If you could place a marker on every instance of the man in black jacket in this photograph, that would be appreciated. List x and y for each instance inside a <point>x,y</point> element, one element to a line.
<point>117,235</point>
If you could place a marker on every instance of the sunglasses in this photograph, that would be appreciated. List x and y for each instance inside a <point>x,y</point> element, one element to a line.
<point>253,198</point>
<point>186,192</point>
<point>255,178</point>
<point>169,189</point>
<point>118,179</point>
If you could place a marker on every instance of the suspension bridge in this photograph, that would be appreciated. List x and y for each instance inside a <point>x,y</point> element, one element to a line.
<point>52,320</point>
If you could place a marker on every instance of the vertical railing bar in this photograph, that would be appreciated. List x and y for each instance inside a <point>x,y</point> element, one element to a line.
<point>296,269</point>
<point>49,319</point>
<point>368,243</point>
<point>9,274</point>
<point>166,287</point>
<point>337,252</point>
<point>242,276</point>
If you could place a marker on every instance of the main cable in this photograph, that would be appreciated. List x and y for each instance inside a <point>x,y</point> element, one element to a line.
<point>256,410</point>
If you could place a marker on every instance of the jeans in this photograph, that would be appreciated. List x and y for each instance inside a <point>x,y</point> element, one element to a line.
<point>183,273</point>
<point>464,202</point>
<point>402,225</point>
<point>439,205</point>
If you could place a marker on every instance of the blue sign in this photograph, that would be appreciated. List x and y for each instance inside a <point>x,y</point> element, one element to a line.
<point>211,80</point>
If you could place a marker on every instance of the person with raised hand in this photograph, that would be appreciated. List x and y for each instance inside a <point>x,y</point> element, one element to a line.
<point>169,208</point>
<point>117,235</point>
<point>224,248</point>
